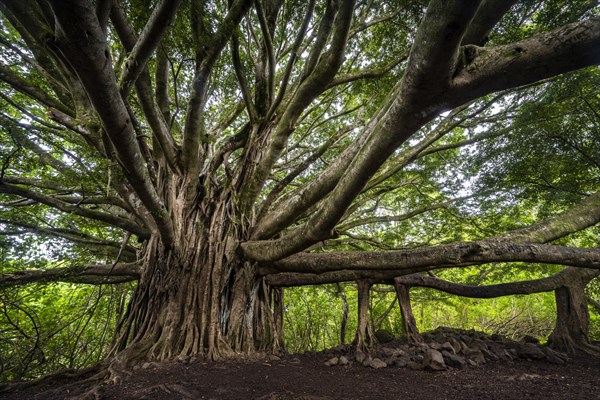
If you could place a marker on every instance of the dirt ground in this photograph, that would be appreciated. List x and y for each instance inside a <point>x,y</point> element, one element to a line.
<point>307,377</point>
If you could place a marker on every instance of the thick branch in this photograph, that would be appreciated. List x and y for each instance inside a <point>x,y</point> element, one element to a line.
<point>90,56</point>
<point>74,209</point>
<point>565,49</point>
<point>290,279</point>
<point>98,274</point>
<point>438,257</point>
<point>314,84</point>
<point>579,217</point>
<point>191,156</point>
<point>148,42</point>
<point>434,56</point>
<point>504,289</point>
<point>490,12</point>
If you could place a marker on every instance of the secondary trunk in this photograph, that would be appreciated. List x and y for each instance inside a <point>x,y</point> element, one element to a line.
<point>364,332</point>
<point>572,316</point>
<point>409,324</point>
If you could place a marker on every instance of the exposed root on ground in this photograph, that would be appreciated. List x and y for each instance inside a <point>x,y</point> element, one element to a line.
<point>573,347</point>
<point>67,374</point>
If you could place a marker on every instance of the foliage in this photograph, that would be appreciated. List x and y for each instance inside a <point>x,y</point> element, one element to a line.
<point>45,328</point>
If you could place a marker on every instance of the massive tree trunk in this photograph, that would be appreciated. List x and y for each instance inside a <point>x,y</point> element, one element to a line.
<point>198,296</point>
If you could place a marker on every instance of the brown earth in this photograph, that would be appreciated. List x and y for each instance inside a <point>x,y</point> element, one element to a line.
<point>307,377</point>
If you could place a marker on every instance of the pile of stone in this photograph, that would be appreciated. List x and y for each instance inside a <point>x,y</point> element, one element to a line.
<point>447,348</point>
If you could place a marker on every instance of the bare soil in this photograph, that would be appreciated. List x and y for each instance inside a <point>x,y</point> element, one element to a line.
<point>307,377</point>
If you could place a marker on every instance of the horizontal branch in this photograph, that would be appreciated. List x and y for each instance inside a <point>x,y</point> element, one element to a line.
<point>290,279</point>
<point>437,257</point>
<point>565,49</point>
<point>546,284</point>
<point>68,234</point>
<point>75,209</point>
<point>367,73</point>
<point>97,274</point>
<point>581,216</point>
<point>576,218</point>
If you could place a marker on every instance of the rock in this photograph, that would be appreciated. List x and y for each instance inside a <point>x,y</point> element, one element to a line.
<point>415,366</point>
<point>478,344</point>
<point>390,352</point>
<point>489,355</point>
<point>344,360</point>
<point>273,357</point>
<point>434,360</point>
<point>401,362</point>
<point>183,359</point>
<point>377,363</point>
<point>453,360</point>
<point>499,351</point>
<point>455,345</point>
<point>530,339</point>
<point>360,357</point>
<point>435,345</point>
<point>332,362</point>
<point>530,350</point>
<point>475,356</point>
<point>367,361</point>
<point>448,347</point>
<point>383,336</point>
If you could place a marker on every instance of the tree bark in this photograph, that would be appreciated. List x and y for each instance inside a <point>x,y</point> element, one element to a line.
<point>409,324</point>
<point>571,332</point>
<point>197,297</point>
<point>344,321</point>
<point>365,339</point>
<point>278,310</point>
